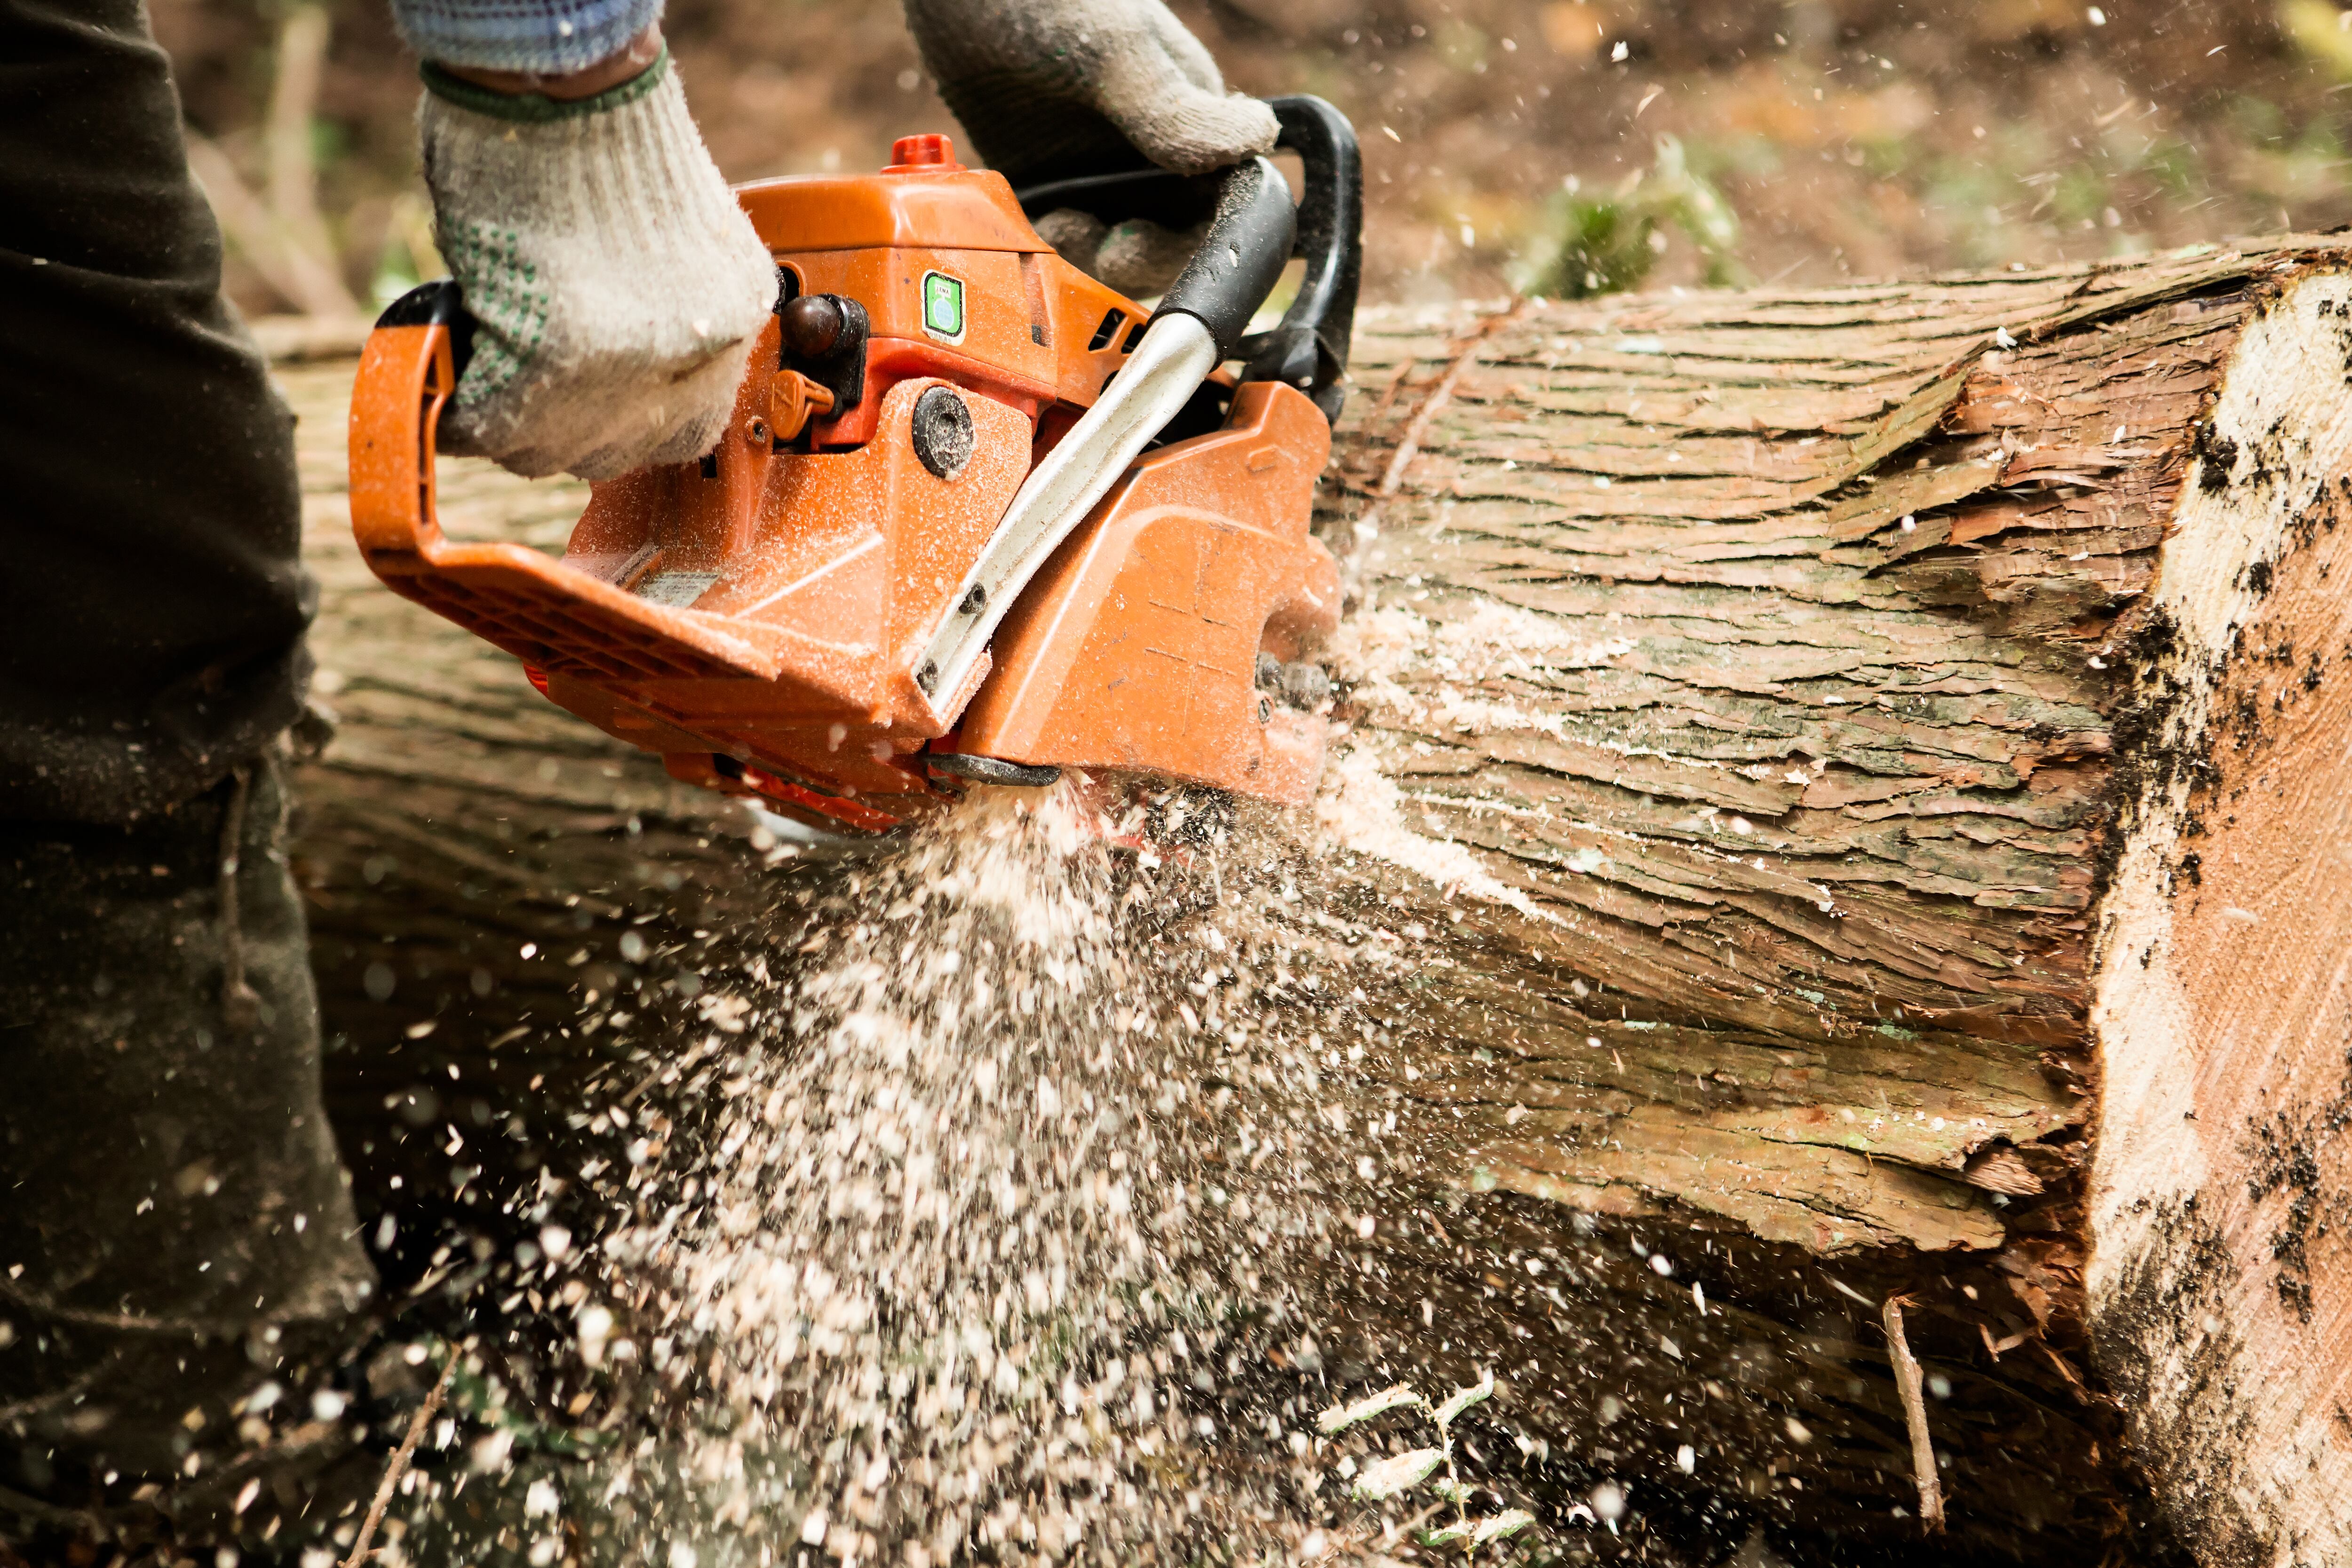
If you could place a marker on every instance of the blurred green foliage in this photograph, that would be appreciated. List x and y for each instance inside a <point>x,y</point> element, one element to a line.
<point>2321,31</point>
<point>1461,45</point>
<point>1604,249</point>
<point>1593,245</point>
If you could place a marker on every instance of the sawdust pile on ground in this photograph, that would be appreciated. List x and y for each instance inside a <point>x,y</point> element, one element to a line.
<point>934,1253</point>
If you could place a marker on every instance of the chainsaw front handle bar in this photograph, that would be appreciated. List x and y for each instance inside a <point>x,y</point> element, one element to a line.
<point>1199,325</point>
<point>1176,354</point>
<point>1309,349</point>
<point>1241,258</point>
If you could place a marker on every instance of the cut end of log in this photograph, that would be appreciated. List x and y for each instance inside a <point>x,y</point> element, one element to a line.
<point>2221,1277</point>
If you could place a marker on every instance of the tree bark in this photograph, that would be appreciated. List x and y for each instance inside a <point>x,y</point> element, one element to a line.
<point>1825,706</point>
<point>1835,802</point>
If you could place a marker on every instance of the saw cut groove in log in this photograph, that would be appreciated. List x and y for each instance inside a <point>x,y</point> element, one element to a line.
<point>1831,784</point>
<point>1762,676</point>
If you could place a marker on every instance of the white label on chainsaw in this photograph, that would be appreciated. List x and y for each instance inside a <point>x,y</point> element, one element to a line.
<point>675,590</point>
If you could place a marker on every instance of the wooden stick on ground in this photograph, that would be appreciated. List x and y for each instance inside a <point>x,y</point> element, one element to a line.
<point>399,1465</point>
<point>1915,1415</point>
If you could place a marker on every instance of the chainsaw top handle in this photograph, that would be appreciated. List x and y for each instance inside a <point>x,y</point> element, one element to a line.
<point>1309,349</point>
<point>1254,233</point>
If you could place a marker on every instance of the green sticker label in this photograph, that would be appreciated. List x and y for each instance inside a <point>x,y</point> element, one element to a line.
<point>943,304</point>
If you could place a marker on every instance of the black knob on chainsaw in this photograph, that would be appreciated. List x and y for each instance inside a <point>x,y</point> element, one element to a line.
<point>812,324</point>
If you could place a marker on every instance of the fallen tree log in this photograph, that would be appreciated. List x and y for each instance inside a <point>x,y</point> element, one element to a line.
<point>1827,707</point>
<point>1840,799</point>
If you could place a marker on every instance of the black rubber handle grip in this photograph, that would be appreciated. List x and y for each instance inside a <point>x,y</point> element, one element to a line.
<point>1309,349</point>
<point>1241,258</point>
<point>435,304</point>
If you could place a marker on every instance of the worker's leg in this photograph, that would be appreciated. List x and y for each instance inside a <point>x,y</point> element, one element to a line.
<point>152,602</point>
<point>172,1197</point>
<point>175,1232</point>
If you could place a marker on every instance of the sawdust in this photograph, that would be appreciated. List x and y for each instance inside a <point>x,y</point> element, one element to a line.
<point>1445,676</point>
<point>935,1245</point>
<point>1360,808</point>
<point>1416,672</point>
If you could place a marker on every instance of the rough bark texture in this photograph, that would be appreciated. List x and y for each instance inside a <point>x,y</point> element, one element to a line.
<point>1751,700</point>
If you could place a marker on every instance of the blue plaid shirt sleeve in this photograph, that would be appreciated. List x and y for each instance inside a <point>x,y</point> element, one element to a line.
<point>545,37</point>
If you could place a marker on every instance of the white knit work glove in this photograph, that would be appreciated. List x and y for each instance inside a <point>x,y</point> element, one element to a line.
<point>1051,89</point>
<point>615,282</point>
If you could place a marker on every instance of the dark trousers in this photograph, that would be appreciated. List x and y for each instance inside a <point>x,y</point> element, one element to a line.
<point>152,595</point>
<point>174,1230</point>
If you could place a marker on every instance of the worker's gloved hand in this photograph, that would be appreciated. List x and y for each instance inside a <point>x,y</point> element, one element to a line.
<point>1135,256</point>
<point>1052,89</point>
<point>616,284</point>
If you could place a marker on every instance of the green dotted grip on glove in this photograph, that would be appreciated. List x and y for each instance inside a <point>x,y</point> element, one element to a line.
<point>504,292</point>
<point>615,283</point>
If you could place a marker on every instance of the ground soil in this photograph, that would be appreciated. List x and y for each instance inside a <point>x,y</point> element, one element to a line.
<point>1850,137</point>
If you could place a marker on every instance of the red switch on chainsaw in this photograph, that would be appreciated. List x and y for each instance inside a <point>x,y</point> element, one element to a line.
<point>978,516</point>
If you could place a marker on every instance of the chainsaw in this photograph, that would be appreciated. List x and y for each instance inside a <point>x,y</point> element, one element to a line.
<point>978,517</point>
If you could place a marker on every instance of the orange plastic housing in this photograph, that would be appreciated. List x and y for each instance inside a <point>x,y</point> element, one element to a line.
<point>755,617</point>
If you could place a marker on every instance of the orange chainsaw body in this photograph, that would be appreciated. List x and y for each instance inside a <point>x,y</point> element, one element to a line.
<point>755,618</point>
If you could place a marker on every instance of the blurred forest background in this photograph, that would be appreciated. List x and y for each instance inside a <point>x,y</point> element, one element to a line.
<point>1566,146</point>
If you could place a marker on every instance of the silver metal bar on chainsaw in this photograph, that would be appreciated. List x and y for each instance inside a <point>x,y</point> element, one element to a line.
<point>1177,354</point>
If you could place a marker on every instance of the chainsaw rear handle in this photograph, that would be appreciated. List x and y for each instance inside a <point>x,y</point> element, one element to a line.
<point>408,372</point>
<point>435,304</point>
<point>1309,349</point>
